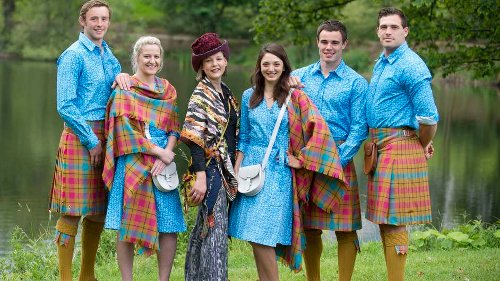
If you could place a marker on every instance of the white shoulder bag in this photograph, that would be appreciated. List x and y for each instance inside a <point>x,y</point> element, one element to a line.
<point>251,178</point>
<point>167,179</point>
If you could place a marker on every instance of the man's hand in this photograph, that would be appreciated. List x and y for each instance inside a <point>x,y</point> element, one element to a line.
<point>96,155</point>
<point>294,82</point>
<point>122,80</point>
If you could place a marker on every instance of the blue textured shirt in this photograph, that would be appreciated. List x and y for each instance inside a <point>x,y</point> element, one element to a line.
<point>84,79</point>
<point>340,97</point>
<point>400,92</point>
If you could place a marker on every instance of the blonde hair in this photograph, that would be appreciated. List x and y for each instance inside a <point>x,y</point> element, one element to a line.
<point>141,42</point>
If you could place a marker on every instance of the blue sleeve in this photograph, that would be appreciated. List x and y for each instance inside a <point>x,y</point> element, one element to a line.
<point>244,135</point>
<point>418,85</point>
<point>358,129</point>
<point>69,68</point>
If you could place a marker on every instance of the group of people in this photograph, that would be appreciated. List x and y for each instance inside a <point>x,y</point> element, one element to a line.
<point>115,141</point>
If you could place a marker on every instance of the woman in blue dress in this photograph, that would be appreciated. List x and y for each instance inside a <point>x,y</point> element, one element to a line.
<point>142,129</point>
<point>265,220</point>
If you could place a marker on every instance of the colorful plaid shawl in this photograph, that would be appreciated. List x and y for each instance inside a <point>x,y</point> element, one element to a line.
<point>205,120</point>
<point>321,179</point>
<point>126,113</point>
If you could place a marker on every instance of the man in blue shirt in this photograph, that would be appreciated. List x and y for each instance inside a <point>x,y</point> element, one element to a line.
<point>399,103</point>
<point>339,93</point>
<point>85,74</point>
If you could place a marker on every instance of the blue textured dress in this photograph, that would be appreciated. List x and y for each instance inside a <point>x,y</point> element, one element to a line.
<point>168,204</point>
<point>265,218</point>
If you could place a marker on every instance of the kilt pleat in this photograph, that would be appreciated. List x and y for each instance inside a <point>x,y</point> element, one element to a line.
<point>348,216</point>
<point>398,192</point>
<point>77,187</point>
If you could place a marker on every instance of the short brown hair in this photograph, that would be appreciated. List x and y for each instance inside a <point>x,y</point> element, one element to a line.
<point>91,4</point>
<point>332,25</point>
<point>384,12</point>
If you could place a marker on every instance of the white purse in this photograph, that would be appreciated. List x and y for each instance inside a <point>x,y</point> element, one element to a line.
<point>168,179</point>
<point>251,178</point>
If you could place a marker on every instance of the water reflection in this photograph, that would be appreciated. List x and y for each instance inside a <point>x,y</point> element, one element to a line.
<point>463,174</point>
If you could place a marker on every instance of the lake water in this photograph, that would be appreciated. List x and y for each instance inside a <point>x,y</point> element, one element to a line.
<point>464,173</point>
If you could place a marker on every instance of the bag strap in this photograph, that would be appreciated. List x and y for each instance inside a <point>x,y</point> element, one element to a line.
<point>276,128</point>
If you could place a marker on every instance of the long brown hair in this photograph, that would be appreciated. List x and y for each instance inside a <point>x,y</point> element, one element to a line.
<point>281,88</point>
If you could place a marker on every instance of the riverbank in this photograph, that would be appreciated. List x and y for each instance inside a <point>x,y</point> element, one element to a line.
<point>468,252</point>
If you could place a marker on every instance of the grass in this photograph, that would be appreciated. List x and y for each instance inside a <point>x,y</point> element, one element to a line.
<point>39,262</point>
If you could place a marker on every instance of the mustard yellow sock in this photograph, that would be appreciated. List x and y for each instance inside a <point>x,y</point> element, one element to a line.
<point>348,247</point>
<point>91,234</point>
<point>312,254</point>
<point>65,241</point>
<point>396,245</point>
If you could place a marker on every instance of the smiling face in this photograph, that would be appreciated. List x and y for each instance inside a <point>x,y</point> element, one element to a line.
<point>95,23</point>
<point>271,68</point>
<point>330,46</point>
<point>391,33</point>
<point>214,66</point>
<point>149,60</point>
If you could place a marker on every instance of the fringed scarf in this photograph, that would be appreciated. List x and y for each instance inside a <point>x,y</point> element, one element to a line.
<point>126,114</point>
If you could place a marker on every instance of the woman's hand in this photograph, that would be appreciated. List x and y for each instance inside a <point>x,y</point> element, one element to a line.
<point>158,166</point>
<point>237,164</point>
<point>166,156</point>
<point>199,188</point>
<point>293,161</point>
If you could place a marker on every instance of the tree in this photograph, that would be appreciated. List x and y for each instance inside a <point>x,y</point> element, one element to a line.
<point>451,35</point>
<point>456,35</point>
<point>8,8</point>
<point>226,17</point>
<point>290,19</point>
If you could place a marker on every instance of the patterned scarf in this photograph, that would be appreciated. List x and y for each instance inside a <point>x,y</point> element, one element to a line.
<point>321,180</point>
<point>205,120</point>
<point>126,114</point>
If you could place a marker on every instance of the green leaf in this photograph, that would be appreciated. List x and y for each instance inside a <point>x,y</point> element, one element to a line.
<point>458,236</point>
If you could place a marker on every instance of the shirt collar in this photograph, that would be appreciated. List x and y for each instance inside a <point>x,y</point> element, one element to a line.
<point>89,44</point>
<point>396,54</point>
<point>340,71</point>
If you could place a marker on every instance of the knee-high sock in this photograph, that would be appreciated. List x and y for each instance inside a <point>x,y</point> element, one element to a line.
<point>312,254</point>
<point>91,233</point>
<point>348,247</point>
<point>396,245</point>
<point>65,241</point>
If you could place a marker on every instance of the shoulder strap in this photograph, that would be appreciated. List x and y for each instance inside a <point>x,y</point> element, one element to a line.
<point>276,128</point>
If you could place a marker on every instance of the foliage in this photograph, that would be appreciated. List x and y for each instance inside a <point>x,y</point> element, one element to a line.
<point>36,259</point>
<point>226,17</point>
<point>29,259</point>
<point>475,234</point>
<point>451,35</point>
<point>294,20</point>
<point>456,35</point>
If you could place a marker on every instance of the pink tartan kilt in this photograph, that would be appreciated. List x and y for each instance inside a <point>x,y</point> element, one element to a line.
<point>398,192</point>
<point>347,218</point>
<point>77,187</point>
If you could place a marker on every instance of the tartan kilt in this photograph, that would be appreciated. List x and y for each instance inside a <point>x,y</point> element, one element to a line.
<point>77,187</point>
<point>348,216</point>
<point>398,192</point>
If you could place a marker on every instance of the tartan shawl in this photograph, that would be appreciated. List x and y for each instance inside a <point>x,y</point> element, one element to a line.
<point>126,114</point>
<point>321,180</point>
<point>205,121</point>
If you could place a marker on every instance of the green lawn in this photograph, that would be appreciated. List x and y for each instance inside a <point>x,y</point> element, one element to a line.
<point>454,264</point>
